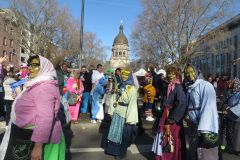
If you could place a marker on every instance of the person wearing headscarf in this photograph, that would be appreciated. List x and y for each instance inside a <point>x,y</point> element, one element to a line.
<point>169,142</point>
<point>34,130</point>
<point>202,110</point>
<point>231,121</point>
<point>124,112</point>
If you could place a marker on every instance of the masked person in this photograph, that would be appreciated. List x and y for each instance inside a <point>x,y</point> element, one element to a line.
<point>34,129</point>
<point>231,121</point>
<point>124,112</point>
<point>169,142</point>
<point>202,110</point>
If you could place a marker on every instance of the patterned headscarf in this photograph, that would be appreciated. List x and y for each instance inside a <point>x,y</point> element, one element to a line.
<point>198,75</point>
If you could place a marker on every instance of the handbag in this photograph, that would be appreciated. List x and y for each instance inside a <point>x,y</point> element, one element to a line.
<point>206,140</point>
<point>73,99</point>
<point>100,114</point>
<point>209,140</point>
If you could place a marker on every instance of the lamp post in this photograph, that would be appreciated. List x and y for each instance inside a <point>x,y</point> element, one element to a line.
<point>81,36</point>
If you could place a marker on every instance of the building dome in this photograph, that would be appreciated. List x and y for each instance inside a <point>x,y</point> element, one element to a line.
<point>120,38</point>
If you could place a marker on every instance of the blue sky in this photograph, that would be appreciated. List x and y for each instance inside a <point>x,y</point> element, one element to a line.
<point>104,17</point>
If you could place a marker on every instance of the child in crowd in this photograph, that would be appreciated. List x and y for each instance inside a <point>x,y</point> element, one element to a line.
<point>149,93</point>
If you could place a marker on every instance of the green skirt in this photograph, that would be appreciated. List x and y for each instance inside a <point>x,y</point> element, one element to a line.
<point>53,151</point>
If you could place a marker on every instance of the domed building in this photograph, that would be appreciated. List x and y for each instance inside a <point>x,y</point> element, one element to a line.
<point>120,52</point>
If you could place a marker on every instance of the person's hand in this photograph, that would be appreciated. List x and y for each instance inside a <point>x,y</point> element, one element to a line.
<point>82,79</point>
<point>37,152</point>
<point>107,90</point>
<point>15,95</point>
<point>150,65</point>
<point>111,116</point>
<point>225,112</point>
<point>128,122</point>
<point>4,59</point>
<point>221,95</point>
<point>100,101</point>
<point>171,121</point>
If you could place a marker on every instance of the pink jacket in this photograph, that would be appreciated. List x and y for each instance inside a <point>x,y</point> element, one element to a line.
<point>38,107</point>
<point>71,86</point>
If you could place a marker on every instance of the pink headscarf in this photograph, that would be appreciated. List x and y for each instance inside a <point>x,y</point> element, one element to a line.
<point>135,80</point>
<point>47,68</point>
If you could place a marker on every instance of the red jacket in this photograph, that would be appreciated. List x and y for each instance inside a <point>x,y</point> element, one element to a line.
<point>220,86</point>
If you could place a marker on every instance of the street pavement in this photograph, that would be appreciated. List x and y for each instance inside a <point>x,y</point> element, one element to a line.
<point>83,142</point>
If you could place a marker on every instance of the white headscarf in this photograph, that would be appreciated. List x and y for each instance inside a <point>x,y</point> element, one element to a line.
<point>47,72</point>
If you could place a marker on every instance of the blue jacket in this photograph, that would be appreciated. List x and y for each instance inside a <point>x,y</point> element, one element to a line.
<point>203,97</point>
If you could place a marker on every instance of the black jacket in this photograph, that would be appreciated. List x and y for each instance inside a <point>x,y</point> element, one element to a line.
<point>88,82</point>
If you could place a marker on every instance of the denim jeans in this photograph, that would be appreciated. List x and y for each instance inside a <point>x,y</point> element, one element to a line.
<point>86,99</point>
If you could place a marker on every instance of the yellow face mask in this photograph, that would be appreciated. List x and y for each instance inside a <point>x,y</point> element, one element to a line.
<point>190,73</point>
<point>124,76</point>
<point>34,68</point>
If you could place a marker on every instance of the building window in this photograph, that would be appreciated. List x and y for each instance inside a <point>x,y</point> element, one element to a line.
<point>10,57</point>
<point>218,66</point>
<point>123,54</point>
<point>229,65</point>
<point>5,27</point>
<point>201,65</point>
<point>120,53</point>
<point>221,44</point>
<point>11,31</point>
<point>4,53</point>
<point>116,54</point>
<point>223,63</point>
<point>230,41</point>
<point>235,54</point>
<point>4,41</point>
<point>205,68</point>
<point>227,41</point>
<point>209,66</point>
<point>212,58</point>
<point>11,43</point>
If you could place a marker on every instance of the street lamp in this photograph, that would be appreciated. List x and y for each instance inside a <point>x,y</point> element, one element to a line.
<point>81,36</point>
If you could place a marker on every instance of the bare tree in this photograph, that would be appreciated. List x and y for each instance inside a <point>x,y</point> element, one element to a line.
<point>171,30</point>
<point>93,50</point>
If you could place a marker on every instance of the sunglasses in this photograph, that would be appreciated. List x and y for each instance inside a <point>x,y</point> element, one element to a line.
<point>33,65</point>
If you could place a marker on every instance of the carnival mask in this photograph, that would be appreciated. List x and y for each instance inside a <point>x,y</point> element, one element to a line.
<point>171,76</point>
<point>191,73</point>
<point>34,68</point>
<point>124,76</point>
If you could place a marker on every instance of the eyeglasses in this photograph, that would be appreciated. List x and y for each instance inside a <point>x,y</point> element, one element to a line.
<point>33,65</point>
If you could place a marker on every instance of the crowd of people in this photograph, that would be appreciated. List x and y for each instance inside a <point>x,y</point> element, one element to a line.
<point>47,98</point>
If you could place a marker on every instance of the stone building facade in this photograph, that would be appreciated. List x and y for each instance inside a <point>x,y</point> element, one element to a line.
<point>120,53</point>
<point>218,63</point>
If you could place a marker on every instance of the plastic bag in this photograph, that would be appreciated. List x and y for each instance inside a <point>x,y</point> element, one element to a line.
<point>100,114</point>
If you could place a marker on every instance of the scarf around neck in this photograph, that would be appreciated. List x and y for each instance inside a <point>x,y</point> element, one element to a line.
<point>171,85</point>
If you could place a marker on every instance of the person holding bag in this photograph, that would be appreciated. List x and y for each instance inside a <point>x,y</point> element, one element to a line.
<point>202,110</point>
<point>169,142</point>
<point>74,97</point>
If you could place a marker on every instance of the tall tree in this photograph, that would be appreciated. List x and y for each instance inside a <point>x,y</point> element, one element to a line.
<point>173,31</point>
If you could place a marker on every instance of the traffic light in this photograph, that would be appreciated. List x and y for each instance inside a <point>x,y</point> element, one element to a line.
<point>13,52</point>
